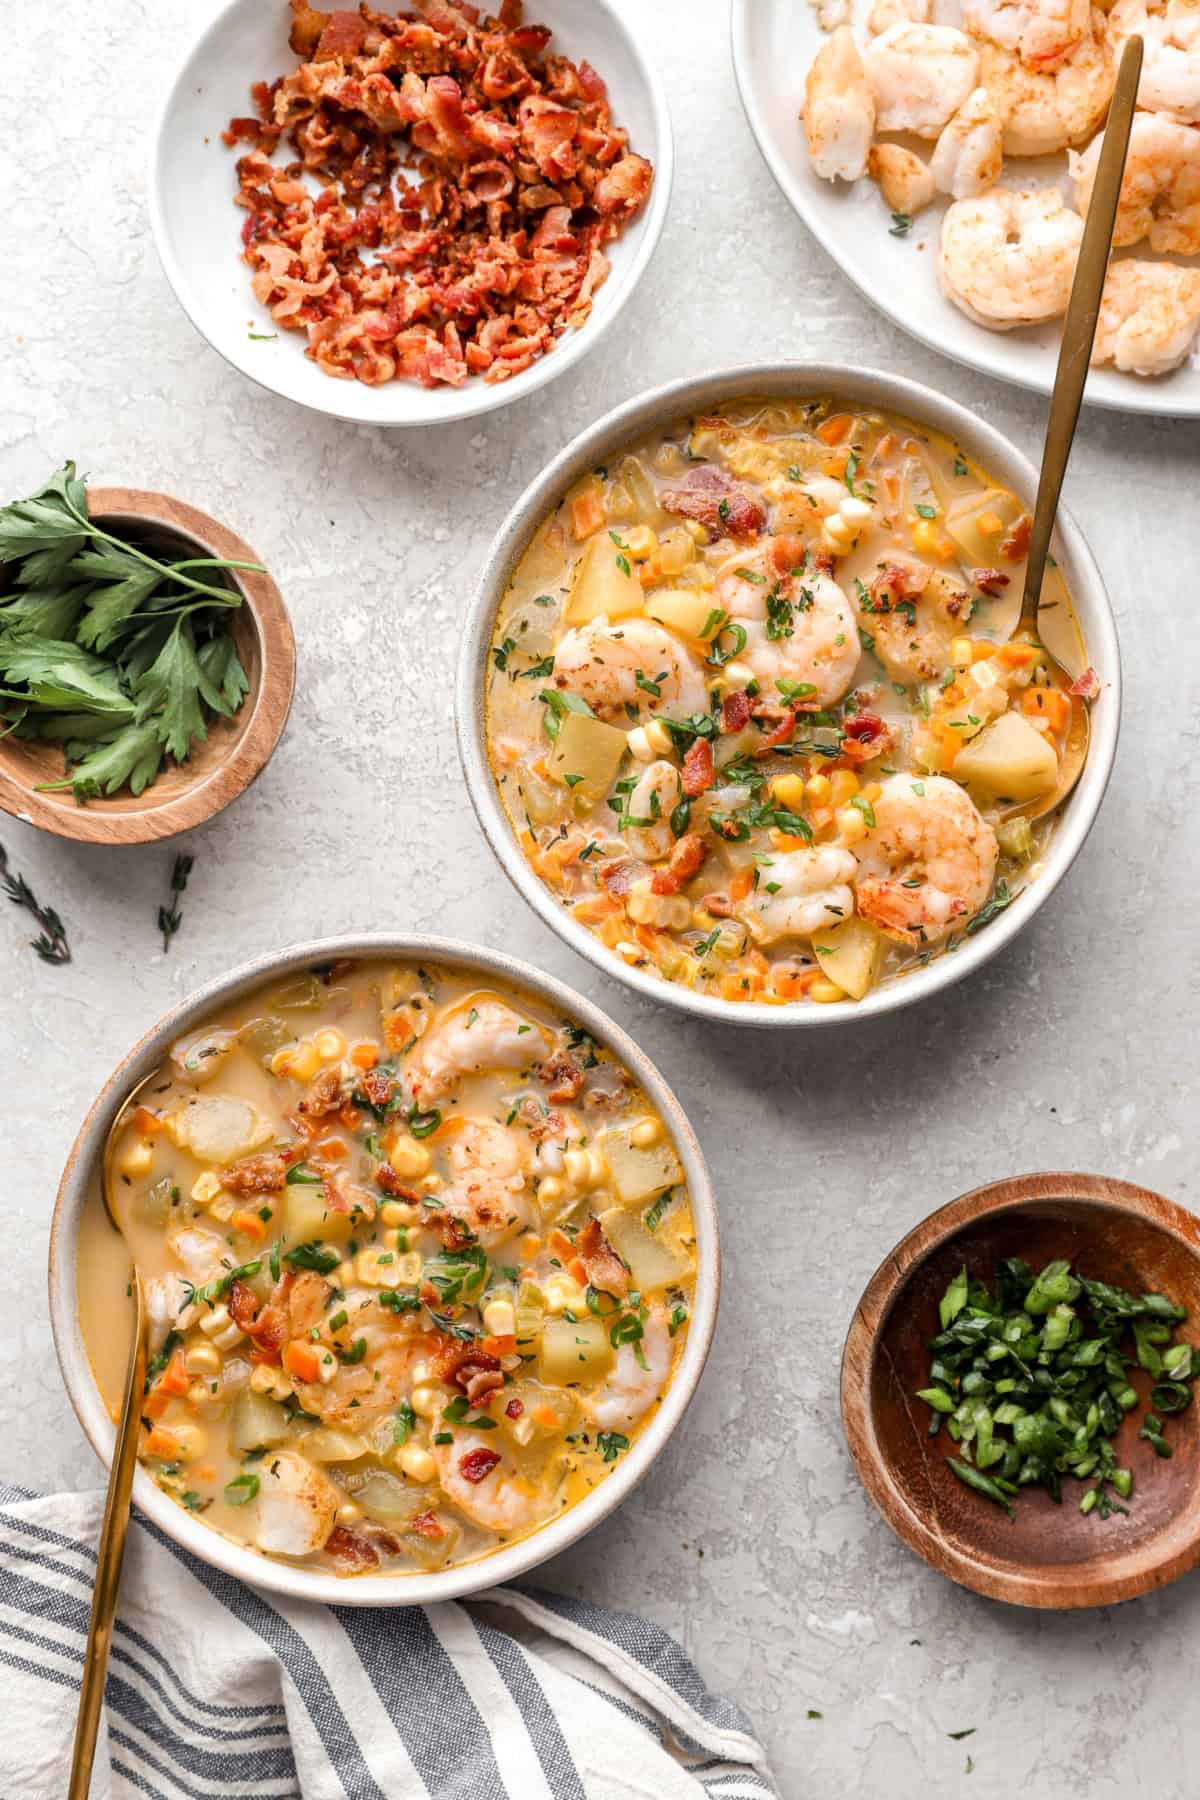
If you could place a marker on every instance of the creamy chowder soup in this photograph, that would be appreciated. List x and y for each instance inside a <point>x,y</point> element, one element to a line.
<point>763,709</point>
<point>419,1260</point>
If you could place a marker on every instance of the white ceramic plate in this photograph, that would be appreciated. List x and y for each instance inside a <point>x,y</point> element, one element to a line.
<point>196,224</point>
<point>774,42</point>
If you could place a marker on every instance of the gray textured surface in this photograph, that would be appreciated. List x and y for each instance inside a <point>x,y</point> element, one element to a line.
<point>753,1540</point>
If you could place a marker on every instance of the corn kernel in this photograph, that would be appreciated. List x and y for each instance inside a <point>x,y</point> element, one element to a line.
<point>426,1401</point>
<point>925,535</point>
<point>872,791</point>
<point>416,1463</point>
<point>639,542</point>
<point>702,919</point>
<point>192,1441</point>
<point>203,1359</point>
<point>395,1213</point>
<point>735,676</point>
<point>343,1275</point>
<point>549,1190</point>
<point>962,653</point>
<point>843,786</point>
<point>639,744</point>
<point>297,1062</point>
<point>819,788</point>
<point>266,1380</point>
<point>348,1513</point>
<point>430,1184</point>
<point>330,1046</point>
<point>696,531</point>
<point>789,791</point>
<point>499,1318</point>
<point>562,1292</point>
<point>630,952</point>
<point>136,1158</point>
<point>380,1268</point>
<point>644,1133</point>
<point>405,1155</point>
<point>201,1394</point>
<point>826,992</point>
<point>205,1188</point>
<point>852,826</point>
<point>220,1329</point>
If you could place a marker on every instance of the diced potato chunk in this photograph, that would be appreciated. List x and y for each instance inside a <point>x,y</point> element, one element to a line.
<point>849,955</point>
<point>638,1173</point>
<point>979,523</point>
<point>604,583</point>
<point>578,1351</point>
<point>586,756</point>
<point>216,1128</point>
<point>389,1499</point>
<point>256,1421</point>
<point>307,1215</point>
<point>654,1263</point>
<point>685,610</point>
<point>1011,759</point>
<point>328,1445</point>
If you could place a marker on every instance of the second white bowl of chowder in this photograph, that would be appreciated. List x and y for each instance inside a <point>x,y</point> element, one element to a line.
<point>429,1259</point>
<point>751,709</point>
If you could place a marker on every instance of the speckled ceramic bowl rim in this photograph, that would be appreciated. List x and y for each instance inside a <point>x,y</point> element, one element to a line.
<point>475,397</point>
<point>615,431</point>
<point>376,1590</point>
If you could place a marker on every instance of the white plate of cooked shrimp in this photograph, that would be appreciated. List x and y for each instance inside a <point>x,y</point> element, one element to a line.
<point>944,151</point>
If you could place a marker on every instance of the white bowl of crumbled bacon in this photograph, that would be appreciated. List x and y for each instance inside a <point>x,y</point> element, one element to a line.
<point>406,217</point>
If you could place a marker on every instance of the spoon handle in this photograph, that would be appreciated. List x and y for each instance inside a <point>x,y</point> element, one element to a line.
<point>1083,311</point>
<point>109,1558</point>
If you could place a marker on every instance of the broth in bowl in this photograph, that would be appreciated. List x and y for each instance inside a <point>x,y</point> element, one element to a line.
<point>764,711</point>
<point>419,1263</point>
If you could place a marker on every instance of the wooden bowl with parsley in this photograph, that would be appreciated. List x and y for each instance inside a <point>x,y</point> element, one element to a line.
<point>146,663</point>
<point>1021,1390</point>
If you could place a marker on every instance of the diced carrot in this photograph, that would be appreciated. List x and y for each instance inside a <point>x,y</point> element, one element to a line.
<point>1048,704</point>
<point>163,1443</point>
<point>789,840</point>
<point>740,884</point>
<point>891,487</point>
<point>364,1056</point>
<point>546,1417</point>
<point>587,511</point>
<point>734,987</point>
<point>611,931</point>
<point>833,430</point>
<point>504,1345</point>
<point>989,523</point>
<point>155,1404</point>
<point>175,1378</point>
<point>332,1149</point>
<point>349,1116</point>
<point>1014,654</point>
<point>203,1472</point>
<point>649,573</point>
<point>302,1361</point>
<point>561,1244</point>
<point>981,650</point>
<point>578,1268</point>
<point>595,909</point>
<point>789,984</point>
<point>531,1243</point>
<point>147,1122</point>
<point>951,743</point>
<point>835,466</point>
<point>886,444</point>
<point>249,1224</point>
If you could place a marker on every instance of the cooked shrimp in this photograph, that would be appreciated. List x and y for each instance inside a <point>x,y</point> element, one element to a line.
<point>651,802</point>
<point>920,75</point>
<point>481,1032</point>
<point>802,891</point>
<point>914,614</point>
<point>799,511</point>
<point>1008,258</point>
<point>1170,31</point>
<point>800,627</point>
<point>200,1252</point>
<point>167,1304</point>
<point>629,1391</point>
<point>902,178</point>
<point>927,864</point>
<point>602,663</point>
<point>488,1188</point>
<point>1044,111</point>
<point>1149,317</point>
<point>1040,32</point>
<point>498,1499</point>
<point>295,1506</point>
<point>839,110</point>
<point>1160,189</point>
<point>360,1393</point>
<point>886,13</point>
<point>969,154</point>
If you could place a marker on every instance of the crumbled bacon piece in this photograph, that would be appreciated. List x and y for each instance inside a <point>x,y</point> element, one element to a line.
<point>699,770</point>
<point>349,1553</point>
<point>990,581</point>
<point>562,1076</point>
<point>323,1097</point>
<point>605,1270</point>
<point>478,1464</point>
<point>866,737</point>
<point>433,276</point>
<point>514,1409</point>
<point>387,1178</point>
<point>540,1123</point>
<point>711,497</point>
<point>896,583</point>
<point>428,1525</point>
<point>378,1086</point>
<point>619,874</point>
<point>264,1174</point>
<point>1087,687</point>
<point>735,711</point>
<point>243,1304</point>
<point>686,859</point>
<point>1016,544</point>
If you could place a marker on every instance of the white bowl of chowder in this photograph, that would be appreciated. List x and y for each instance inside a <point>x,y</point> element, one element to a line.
<point>749,708</point>
<point>430,1259</point>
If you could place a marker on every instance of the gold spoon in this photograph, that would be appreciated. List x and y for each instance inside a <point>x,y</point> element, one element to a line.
<point>1074,356</point>
<point>111,1549</point>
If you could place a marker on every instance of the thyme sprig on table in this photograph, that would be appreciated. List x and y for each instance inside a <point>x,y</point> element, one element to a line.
<point>52,944</point>
<point>170,916</point>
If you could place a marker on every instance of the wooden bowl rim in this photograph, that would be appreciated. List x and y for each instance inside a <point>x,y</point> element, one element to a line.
<point>269,701</point>
<point>1150,1565</point>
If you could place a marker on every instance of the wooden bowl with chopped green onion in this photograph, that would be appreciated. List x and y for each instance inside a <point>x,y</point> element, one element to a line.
<point>35,784</point>
<point>1030,1393</point>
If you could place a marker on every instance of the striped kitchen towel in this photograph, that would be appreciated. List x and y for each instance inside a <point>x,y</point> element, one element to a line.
<point>218,1692</point>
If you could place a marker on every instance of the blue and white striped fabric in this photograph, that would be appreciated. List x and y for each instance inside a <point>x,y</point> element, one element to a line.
<point>217,1692</point>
